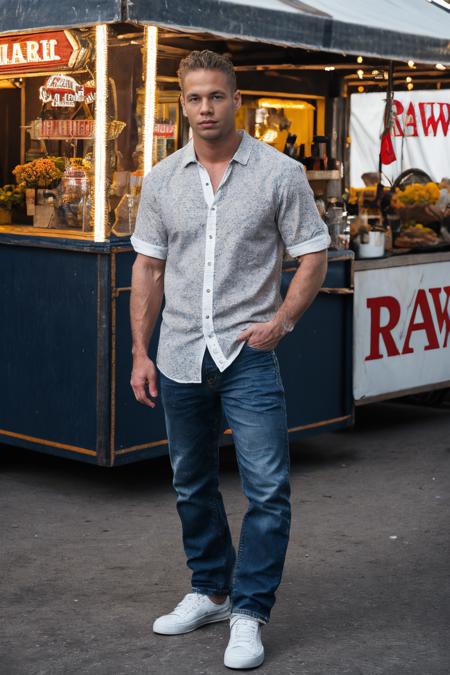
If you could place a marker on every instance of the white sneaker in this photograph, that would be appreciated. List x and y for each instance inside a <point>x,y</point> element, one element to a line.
<point>245,649</point>
<point>193,611</point>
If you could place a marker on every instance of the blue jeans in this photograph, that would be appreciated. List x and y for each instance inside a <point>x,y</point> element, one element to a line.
<point>251,395</point>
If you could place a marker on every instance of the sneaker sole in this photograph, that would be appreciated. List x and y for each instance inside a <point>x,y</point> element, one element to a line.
<point>190,629</point>
<point>238,664</point>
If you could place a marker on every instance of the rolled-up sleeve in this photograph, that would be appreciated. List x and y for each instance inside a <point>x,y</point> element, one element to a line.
<point>301,227</point>
<point>150,234</point>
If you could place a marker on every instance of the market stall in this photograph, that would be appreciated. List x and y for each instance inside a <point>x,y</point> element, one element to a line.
<point>90,108</point>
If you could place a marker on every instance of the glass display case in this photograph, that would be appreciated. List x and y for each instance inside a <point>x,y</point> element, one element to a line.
<point>74,107</point>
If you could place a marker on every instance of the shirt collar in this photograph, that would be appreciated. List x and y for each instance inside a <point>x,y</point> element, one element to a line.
<point>241,155</point>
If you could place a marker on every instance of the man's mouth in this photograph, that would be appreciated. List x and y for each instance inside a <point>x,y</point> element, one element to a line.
<point>208,123</point>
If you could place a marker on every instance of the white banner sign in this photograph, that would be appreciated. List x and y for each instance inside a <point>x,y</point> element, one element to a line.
<point>401,328</point>
<point>421,136</point>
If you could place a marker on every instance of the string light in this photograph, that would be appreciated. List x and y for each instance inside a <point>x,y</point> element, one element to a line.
<point>440,66</point>
<point>410,86</point>
<point>360,74</point>
<point>409,79</point>
<point>411,63</point>
<point>101,64</point>
<point>330,68</point>
<point>359,59</point>
<point>151,43</point>
<point>360,89</point>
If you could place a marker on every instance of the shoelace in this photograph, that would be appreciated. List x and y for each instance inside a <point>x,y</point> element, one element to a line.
<point>245,631</point>
<point>188,603</point>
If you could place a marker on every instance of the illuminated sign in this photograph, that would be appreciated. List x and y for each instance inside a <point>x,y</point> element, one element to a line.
<point>62,91</point>
<point>40,52</point>
<point>62,129</point>
<point>162,130</point>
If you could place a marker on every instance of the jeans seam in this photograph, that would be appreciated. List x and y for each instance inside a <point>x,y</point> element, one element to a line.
<point>240,552</point>
<point>277,370</point>
<point>209,590</point>
<point>249,612</point>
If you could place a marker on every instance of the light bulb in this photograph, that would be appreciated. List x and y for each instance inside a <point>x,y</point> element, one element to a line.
<point>410,86</point>
<point>411,63</point>
<point>440,66</point>
<point>360,74</point>
<point>359,59</point>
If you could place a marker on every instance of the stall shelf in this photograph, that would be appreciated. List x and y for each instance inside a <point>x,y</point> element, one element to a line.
<point>65,353</point>
<point>401,325</point>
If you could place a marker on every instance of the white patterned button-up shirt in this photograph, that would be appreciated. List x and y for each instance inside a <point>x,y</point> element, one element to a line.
<point>223,251</point>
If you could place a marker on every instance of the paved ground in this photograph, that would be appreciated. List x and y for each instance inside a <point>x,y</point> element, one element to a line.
<point>90,556</point>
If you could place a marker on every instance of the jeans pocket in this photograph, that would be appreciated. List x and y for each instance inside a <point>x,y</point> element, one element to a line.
<point>262,351</point>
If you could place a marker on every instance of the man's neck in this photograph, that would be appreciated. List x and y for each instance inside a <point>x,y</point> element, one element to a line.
<point>218,151</point>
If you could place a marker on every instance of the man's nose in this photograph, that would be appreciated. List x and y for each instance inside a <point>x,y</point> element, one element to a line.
<point>205,107</point>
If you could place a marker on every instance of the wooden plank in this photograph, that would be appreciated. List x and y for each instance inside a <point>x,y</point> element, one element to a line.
<point>402,260</point>
<point>404,392</point>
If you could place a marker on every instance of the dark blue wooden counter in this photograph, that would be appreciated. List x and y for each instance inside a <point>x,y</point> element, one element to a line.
<point>65,353</point>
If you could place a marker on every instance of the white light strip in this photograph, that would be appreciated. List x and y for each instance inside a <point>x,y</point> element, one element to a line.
<point>101,85</point>
<point>151,43</point>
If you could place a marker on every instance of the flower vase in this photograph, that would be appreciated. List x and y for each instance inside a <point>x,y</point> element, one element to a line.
<point>5,216</point>
<point>43,215</point>
<point>30,200</point>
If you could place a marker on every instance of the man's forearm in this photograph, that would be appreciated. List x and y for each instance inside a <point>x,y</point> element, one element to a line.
<point>303,289</point>
<point>147,289</point>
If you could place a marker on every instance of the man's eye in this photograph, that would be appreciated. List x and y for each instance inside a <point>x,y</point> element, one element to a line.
<point>219,96</point>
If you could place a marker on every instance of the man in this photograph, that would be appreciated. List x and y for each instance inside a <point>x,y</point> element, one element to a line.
<point>212,226</point>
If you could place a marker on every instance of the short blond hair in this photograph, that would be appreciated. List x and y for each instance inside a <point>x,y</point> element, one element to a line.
<point>207,60</point>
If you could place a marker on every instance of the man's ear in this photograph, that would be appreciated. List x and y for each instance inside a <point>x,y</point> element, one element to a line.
<point>237,100</point>
<point>183,105</point>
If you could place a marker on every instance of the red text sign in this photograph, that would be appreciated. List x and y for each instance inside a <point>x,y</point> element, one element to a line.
<point>36,52</point>
<point>436,330</point>
<point>162,130</point>
<point>62,129</point>
<point>425,118</point>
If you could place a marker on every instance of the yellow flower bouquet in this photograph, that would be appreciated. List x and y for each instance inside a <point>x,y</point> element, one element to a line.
<point>416,194</point>
<point>10,195</point>
<point>40,173</point>
<point>416,203</point>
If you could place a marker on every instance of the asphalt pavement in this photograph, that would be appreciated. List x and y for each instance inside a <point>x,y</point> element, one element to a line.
<point>90,556</point>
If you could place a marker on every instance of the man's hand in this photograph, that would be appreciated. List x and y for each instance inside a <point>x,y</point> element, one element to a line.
<point>302,290</point>
<point>265,336</point>
<point>144,379</point>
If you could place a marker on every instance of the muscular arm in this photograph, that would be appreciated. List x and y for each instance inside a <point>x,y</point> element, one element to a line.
<point>302,290</point>
<point>147,288</point>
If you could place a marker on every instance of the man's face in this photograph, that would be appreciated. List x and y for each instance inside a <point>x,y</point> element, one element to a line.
<point>209,103</point>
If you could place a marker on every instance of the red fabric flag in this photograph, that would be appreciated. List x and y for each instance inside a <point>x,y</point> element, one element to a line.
<point>387,152</point>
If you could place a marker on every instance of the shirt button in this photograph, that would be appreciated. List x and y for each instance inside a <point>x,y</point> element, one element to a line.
<point>213,208</point>
<point>207,316</point>
<point>209,264</point>
<point>210,236</point>
<point>208,290</point>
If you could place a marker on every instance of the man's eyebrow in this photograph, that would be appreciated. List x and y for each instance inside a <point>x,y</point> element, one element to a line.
<point>212,93</point>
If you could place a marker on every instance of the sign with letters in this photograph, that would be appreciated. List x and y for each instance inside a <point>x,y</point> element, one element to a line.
<point>420,134</point>
<point>401,328</point>
<point>39,52</point>
<point>62,129</point>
